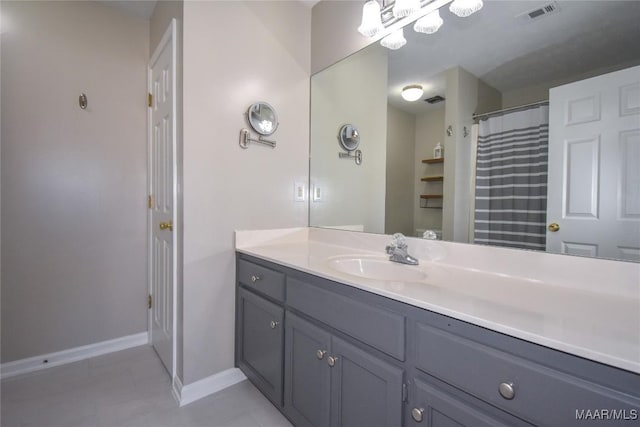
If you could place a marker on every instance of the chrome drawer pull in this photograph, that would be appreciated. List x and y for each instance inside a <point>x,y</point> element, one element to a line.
<point>416,414</point>
<point>507,390</point>
<point>273,324</point>
<point>331,361</point>
<point>320,354</point>
<point>254,279</point>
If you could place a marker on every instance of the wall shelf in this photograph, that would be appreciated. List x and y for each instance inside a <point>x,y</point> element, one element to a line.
<point>433,201</point>
<point>430,161</point>
<point>432,178</point>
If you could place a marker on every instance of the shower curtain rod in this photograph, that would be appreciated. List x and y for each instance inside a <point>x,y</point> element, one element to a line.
<point>521,107</point>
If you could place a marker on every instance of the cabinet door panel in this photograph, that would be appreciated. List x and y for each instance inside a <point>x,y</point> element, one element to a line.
<point>262,343</point>
<point>306,375</point>
<point>365,391</point>
<point>373,325</point>
<point>442,410</point>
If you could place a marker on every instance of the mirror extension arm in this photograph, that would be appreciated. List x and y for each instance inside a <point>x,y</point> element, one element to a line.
<point>245,139</point>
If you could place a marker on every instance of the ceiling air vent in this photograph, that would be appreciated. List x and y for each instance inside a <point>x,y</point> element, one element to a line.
<point>434,99</point>
<point>539,12</point>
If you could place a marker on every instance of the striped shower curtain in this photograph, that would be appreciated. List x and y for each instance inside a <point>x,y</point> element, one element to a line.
<point>511,179</point>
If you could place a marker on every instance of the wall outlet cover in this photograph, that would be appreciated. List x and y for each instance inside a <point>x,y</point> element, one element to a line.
<point>299,192</point>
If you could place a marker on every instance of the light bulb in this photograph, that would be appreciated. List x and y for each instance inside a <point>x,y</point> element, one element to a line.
<point>464,8</point>
<point>371,21</point>
<point>412,93</point>
<point>394,40</point>
<point>429,23</point>
<point>403,8</point>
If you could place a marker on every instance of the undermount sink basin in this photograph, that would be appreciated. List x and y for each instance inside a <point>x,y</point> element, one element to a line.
<point>377,268</point>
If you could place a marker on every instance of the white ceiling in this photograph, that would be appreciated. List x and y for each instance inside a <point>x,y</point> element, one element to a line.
<point>504,51</point>
<point>144,8</point>
<point>310,3</point>
<point>138,8</point>
<point>509,53</point>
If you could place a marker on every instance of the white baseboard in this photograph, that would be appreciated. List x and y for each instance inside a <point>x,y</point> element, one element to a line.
<point>176,389</point>
<point>191,392</point>
<point>36,363</point>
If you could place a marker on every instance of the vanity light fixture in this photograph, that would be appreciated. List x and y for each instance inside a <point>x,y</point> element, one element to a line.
<point>387,16</point>
<point>429,24</point>
<point>412,93</point>
<point>371,21</point>
<point>394,40</point>
<point>403,8</point>
<point>464,8</point>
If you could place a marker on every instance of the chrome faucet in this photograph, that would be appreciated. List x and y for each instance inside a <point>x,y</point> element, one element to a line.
<point>398,250</point>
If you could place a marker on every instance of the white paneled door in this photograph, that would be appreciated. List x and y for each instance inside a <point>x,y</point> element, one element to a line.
<point>594,167</point>
<point>162,198</point>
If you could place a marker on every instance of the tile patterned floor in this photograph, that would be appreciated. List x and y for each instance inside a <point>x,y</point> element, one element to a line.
<point>127,388</point>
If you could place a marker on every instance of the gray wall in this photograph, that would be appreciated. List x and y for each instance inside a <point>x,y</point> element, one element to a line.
<point>236,53</point>
<point>527,95</point>
<point>333,32</point>
<point>350,93</point>
<point>73,181</point>
<point>401,183</point>
<point>429,131</point>
<point>465,95</point>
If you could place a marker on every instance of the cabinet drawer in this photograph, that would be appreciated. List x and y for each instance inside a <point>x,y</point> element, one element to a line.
<point>435,408</point>
<point>261,279</point>
<point>540,394</point>
<point>373,325</point>
<point>261,345</point>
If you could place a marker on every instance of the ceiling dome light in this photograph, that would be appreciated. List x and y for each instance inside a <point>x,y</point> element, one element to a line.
<point>394,40</point>
<point>403,8</point>
<point>371,21</point>
<point>464,8</point>
<point>429,24</point>
<point>412,93</point>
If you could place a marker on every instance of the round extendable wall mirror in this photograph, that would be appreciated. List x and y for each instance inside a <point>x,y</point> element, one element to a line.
<point>349,137</point>
<point>262,118</point>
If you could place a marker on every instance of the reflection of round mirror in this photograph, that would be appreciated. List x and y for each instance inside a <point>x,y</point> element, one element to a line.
<point>262,118</point>
<point>349,137</point>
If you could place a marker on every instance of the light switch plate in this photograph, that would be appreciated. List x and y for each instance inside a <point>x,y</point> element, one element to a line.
<point>299,191</point>
<point>317,194</point>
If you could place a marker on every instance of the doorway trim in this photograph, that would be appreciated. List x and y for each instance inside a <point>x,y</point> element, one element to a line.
<point>169,37</point>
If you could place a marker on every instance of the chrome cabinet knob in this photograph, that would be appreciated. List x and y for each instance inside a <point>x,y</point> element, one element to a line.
<point>417,414</point>
<point>273,324</point>
<point>331,361</point>
<point>320,354</point>
<point>507,390</point>
<point>254,279</point>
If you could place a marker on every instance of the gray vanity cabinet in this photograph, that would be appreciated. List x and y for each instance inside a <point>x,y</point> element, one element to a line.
<point>307,375</point>
<point>433,407</point>
<point>531,390</point>
<point>260,347</point>
<point>330,355</point>
<point>330,382</point>
<point>365,390</point>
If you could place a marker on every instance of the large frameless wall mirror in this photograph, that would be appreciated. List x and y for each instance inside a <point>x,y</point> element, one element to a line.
<point>538,115</point>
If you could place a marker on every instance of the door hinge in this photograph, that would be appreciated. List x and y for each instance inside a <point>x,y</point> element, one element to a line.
<point>149,302</point>
<point>405,393</point>
<point>150,201</point>
<point>150,100</point>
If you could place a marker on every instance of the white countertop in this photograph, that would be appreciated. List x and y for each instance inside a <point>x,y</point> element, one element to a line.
<point>518,294</point>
